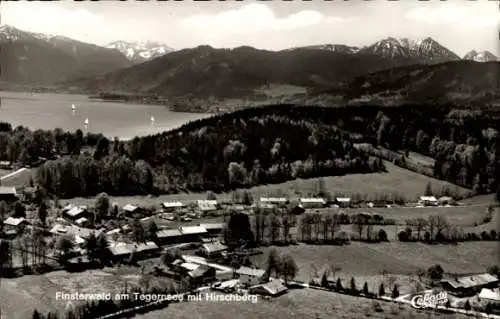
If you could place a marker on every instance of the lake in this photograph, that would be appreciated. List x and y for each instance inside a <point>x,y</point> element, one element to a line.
<point>124,120</point>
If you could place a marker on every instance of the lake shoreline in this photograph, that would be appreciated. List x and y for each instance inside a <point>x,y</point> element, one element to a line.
<point>124,120</point>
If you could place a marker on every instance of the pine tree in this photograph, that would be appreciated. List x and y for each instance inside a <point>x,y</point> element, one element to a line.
<point>338,285</point>
<point>428,189</point>
<point>467,305</point>
<point>324,281</point>
<point>366,292</point>
<point>353,286</point>
<point>381,290</point>
<point>395,292</point>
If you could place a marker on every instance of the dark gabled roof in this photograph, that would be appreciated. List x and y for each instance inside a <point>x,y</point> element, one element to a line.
<point>472,281</point>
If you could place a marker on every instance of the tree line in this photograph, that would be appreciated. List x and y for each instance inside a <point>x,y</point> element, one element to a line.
<point>24,146</point>
<point>269,144</point>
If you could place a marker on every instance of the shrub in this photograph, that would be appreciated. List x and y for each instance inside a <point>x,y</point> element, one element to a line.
<point>403,236</point>
<point>377,307</point>
<point>382,235</point>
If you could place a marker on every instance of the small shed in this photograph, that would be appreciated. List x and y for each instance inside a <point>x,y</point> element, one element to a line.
<point>8,194</point>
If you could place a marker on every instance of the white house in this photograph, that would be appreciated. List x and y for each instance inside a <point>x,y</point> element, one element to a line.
<point>490,295</point>
<point>312,202</point>
<point>212,249</point>
<point>428,201</point>
<point>172,206</point>
<point>273,200</point>
<point>207,205</point>
<point>343,201</point>
<point>250,276</point>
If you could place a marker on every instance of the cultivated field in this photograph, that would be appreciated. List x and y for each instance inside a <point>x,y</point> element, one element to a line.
<point>303,303</point>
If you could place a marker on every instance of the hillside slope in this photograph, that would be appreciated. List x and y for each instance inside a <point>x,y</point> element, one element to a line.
<point>460,82</point>
<point>204,71</point>
<point>40,59</point>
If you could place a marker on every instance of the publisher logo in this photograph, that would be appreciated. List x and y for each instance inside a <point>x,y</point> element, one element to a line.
<point>429,300</point>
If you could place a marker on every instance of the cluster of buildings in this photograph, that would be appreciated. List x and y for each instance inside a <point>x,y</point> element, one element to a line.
<point>484,286</point>
<point>200,271</point>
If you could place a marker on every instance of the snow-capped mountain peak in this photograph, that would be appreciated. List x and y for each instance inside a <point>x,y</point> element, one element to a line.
<point>423,49</point>
<point>481,56</point>
<point>9,33</point>
<point>140,51</point>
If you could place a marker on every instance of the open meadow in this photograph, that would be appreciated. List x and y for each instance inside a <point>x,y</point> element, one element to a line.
<point>39,291</point>
<point>395,180</point>
<point>395,258</point>
<point>300,304</point>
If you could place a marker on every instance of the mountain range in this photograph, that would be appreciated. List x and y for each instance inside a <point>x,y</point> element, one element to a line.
<point>33,58</point>
<point>205,72</point>
<point>481,56</point>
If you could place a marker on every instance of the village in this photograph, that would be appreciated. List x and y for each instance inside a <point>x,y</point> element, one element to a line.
<point>188,243</point>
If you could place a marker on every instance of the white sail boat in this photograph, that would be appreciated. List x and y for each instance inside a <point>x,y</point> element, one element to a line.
<point>86,122</point>
<point>152,119</point>
<point>73,107</point>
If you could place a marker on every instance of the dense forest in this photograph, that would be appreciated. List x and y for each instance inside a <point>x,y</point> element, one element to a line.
<point>268,145</point>
<point>220,153</point>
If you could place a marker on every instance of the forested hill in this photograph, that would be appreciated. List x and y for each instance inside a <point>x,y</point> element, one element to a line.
<point>278,143</point>
<point>218,153</point>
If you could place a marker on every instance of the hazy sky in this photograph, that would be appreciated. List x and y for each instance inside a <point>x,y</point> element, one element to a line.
<point>460,25</point>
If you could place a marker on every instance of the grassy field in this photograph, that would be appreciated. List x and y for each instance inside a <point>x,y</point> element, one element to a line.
<point>19,296</point>
<point>361,259</point>
<point>18,180</point>
<point>396,180</point>
<point>304,303</point>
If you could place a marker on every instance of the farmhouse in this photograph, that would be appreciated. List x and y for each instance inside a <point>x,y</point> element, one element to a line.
<point>273,288</point>
<point>72,230</point>
<point>130,209</point>
<point>169,236</point>
<point>428,201</point>
<point>193,233</point>
<point>8,194</point>
<point>213,228</point>
<point>121,250</point>
<point>82,222</point>
<point>343,201</point>
<point>212,249</point>
<point>469,285</point>
<point>202,274</point>
<point>169,207</point>
<point>74,213</point>
<point>206,206</point>
<point>490,295</point>
<point>280,201</point>
<point>312,202</point>
<point>14,225</point>
<point>250,276</point>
